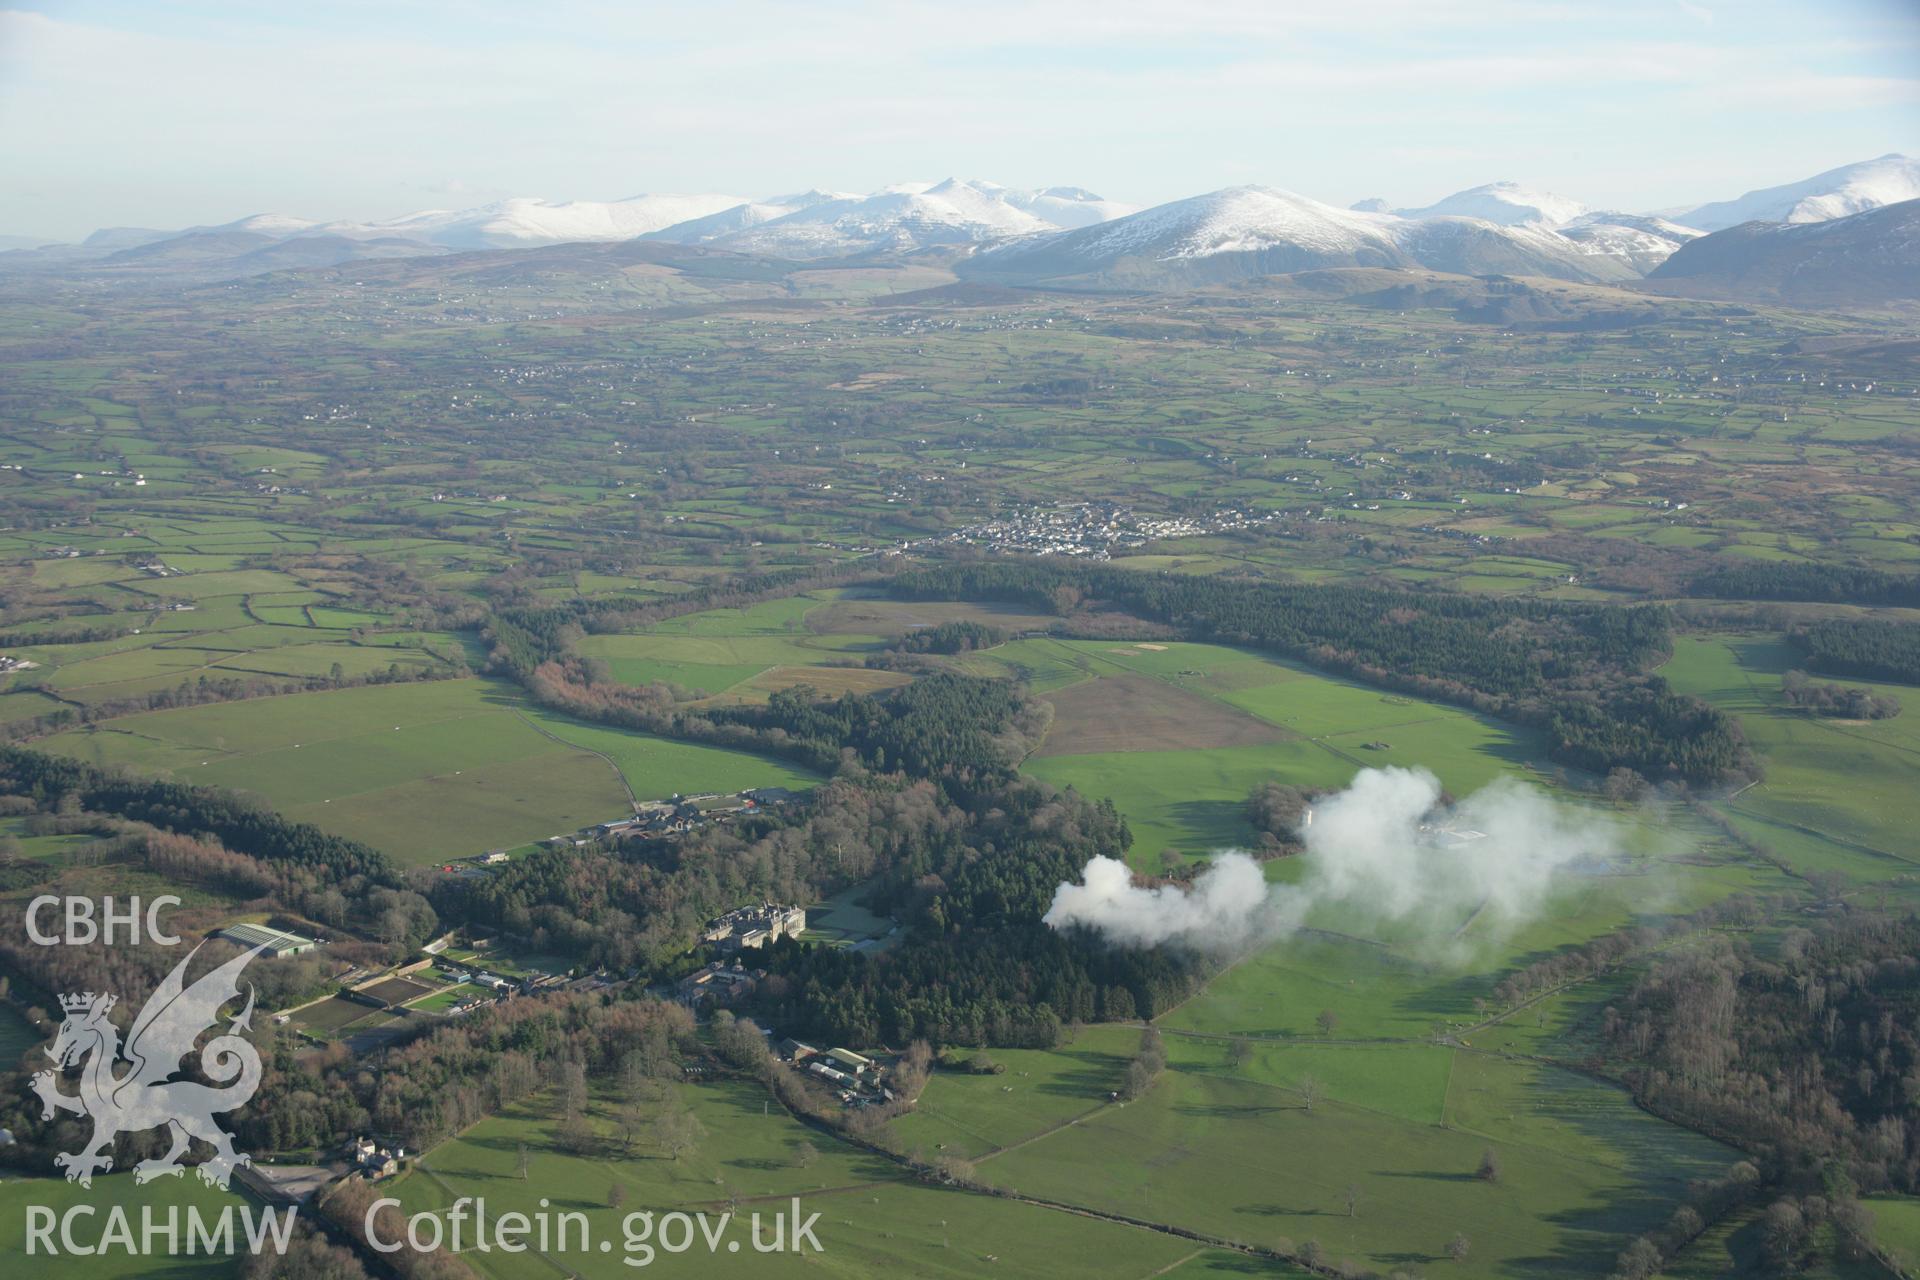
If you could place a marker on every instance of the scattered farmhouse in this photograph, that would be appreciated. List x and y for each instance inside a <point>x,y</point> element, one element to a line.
<point>857,1080</point>
<point>376,1161</point>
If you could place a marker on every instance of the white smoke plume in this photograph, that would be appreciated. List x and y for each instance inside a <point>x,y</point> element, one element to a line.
<point>1383,851</point>
<point>1223,907</point>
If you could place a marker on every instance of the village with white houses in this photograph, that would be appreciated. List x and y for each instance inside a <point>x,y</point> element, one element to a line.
<point>1090,529</point>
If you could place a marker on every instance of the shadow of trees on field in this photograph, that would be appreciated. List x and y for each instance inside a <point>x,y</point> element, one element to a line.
<point>1212,824</point>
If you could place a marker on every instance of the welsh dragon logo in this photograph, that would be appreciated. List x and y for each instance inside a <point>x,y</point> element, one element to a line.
<point>138,1094</point>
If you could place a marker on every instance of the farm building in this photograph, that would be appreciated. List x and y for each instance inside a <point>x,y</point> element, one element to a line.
<point>849,1061</point>
<point>278,942</point>
<point>795,1051</point>
<point>826,1072</point>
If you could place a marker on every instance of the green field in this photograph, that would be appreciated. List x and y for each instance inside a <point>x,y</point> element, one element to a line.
<point>447,997</point>
<point>873,1221</point>
<point>1193,799</point>
<point>1217,1152</point>
<point>1896,1223</point>
<point>656,768</point>
<point>1838,794</point>
<point>421,771</point>
<point>118,1189</point>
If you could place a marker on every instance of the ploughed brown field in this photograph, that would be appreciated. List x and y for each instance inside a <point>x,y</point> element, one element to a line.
<point>1139,713</point>
<point>397,990</point>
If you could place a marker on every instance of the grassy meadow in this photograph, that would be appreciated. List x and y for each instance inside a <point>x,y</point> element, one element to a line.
<point>747,1157</point>
<point>424,771</point>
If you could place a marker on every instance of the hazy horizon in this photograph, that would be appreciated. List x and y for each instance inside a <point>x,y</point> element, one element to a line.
<point>112,114</point>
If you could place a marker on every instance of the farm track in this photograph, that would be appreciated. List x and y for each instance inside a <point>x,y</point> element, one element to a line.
<point>1828,836</point>
<point>1096,1109</point>
<point>632,799</point>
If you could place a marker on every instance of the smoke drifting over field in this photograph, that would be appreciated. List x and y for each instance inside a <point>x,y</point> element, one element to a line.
<point>1384,849</point>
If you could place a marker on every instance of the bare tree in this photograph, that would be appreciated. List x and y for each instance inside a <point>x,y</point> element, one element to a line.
<point>676,1132</point>
<point>574,1134</point>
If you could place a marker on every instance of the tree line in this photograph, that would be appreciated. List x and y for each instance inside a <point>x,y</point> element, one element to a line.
<point>1814,583</point>
<point>1850,702</point>
<point>236,823</point>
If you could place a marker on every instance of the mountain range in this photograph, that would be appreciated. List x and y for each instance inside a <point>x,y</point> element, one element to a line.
<point>1243,232</point>
<point>1063,235</point>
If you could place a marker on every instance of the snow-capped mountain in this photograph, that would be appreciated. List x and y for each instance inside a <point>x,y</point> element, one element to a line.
<point>742,217</point>
<point>266,224</point>
<point>1507,204</point>
<point>1638,241</point>
<point>1067,207</point>
<point>1242,232</point>
<point>811,224</point>
<point>1862,258</point>
<point>1477,247</point>
<point>526,222</point>
<point>917,216</point>
<point>1850,189</point>
<point>1290,232</point>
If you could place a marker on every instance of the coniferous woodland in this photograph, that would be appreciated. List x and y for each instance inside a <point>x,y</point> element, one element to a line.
<point>962,636</point>
<point>968,864</point>
<point>1868,649</point>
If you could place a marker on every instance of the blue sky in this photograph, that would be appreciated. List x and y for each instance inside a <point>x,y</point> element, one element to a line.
<point>170,114</point>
